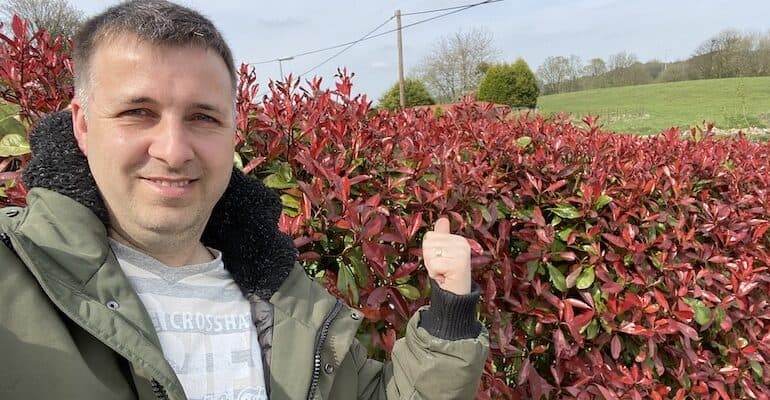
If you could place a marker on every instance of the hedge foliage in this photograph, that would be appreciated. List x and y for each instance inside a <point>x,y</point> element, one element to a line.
<point>612,267</point>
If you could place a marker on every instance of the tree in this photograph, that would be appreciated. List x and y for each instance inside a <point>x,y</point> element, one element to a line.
<point>621,60</point>
<point>554,72</point>
<point>415,92</point>
<point>595,68</point>
<point>511,84</point>
<point>455,64</point>
<point>725,55</point>
<point>58,17</point>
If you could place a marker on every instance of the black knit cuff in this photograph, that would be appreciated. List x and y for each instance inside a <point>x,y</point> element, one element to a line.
<point>451,316</point>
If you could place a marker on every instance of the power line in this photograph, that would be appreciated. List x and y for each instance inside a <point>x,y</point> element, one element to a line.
<point>350,44</point>
<point>447,8</point>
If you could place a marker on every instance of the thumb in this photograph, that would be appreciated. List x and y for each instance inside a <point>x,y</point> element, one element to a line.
<point>442,225</point>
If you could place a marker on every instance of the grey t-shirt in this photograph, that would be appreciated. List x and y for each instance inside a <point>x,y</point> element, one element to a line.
<point>203,322</point>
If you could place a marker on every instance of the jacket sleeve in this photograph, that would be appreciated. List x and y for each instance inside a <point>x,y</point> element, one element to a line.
<point>441,355</point>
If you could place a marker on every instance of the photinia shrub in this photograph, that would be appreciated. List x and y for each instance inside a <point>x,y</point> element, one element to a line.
<point>611,266</point>
<point>35,79</point>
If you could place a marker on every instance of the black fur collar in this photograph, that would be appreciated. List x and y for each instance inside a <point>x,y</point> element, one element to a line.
<point>243,225</point>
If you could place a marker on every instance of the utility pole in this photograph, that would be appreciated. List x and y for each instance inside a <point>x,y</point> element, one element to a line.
<point>401,94</point>
<point>280,66</point>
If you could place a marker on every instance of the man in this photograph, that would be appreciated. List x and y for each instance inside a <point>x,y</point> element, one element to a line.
<point>145,267</point>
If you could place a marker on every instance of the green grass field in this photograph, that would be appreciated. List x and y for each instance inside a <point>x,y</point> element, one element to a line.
<point>649,109</point>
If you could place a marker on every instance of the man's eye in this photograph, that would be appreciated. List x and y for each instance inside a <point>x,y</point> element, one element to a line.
<point>204,118</point>
<point>137,112</point>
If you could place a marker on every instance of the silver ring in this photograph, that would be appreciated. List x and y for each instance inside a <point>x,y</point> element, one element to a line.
<point>438,252</point>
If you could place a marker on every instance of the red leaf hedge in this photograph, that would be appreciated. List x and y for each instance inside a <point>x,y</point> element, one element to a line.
<point>611,266</point>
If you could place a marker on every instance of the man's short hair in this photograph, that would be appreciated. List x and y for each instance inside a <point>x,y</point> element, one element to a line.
<point>158,22</point>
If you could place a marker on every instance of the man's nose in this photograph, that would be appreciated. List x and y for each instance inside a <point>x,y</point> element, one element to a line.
<point>171,143</point>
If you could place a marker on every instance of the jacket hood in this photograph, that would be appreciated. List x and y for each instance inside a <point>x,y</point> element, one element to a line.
<point>243,224</point>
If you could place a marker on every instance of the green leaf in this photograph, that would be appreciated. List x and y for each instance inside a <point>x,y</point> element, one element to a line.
<point>532,267</point>
<point>409,291</point>
<point>586,278</point>
<point>602,201</point>
<point>360,269</point>
<point>284,169</point>
<point>524,141</point>
<point>564,234</point>
<point>290,205</point>
<point>557,278</point>
<point>702,312</point>
<point>757,368</point>
<point>592,330</point>
<point>278,181</point>
<point>346,283</point>
<point>589,249</point>
<point>13,144</point>
<point>566,211</point>
<point>10,125</point>
<point>484,212</point>
<point>237,161</point>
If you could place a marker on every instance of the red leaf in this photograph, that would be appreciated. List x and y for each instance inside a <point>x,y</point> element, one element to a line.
<point>19,27</point>
<point>524,372</point>
<point>555,185</point>
<point>537,216</point>
<point>415,225</point>
<point>607,393</point>
<point>614,240</point>
<point>375,254</point>
<point>405,269</point>
<point>661,299</point>
<point>309,256</point>
<point>615,346</point>
<point>253,163</point>
<point>720,259</point>
<point>374,226</point>
<point>476,248</point>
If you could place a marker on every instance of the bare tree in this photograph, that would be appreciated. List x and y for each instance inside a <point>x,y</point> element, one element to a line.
<point>621,60</point>
<point>554,72</point>
<point>58,17</point>
<point>596,67</point>
<point>620,71</point>
<point>723,56</point>
<point>455,65</point>
<point>762,67</point>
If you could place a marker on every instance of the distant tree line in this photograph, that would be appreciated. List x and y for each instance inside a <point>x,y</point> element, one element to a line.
<point>728,54</point>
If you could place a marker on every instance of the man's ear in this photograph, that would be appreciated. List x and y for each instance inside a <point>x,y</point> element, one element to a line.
<point>79,125</point>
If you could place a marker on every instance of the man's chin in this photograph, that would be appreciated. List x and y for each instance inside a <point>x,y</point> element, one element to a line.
<point>180,223</point>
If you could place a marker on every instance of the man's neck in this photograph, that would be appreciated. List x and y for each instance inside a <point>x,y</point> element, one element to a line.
<point>173,253</point>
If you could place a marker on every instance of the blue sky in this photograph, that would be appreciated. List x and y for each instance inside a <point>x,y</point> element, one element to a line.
<point>664,29</point>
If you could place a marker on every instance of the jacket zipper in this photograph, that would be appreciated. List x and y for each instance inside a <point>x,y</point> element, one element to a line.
<point>319,342</point>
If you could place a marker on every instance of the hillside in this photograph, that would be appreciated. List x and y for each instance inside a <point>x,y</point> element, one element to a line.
<point>649,109</point>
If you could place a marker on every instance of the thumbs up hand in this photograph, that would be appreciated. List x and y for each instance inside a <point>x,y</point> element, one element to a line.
<point>447,258</point>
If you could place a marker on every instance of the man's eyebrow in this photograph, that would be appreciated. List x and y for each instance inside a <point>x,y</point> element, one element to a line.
<point>207,107</point>
<point>140,100</point>
<point>201,106</point>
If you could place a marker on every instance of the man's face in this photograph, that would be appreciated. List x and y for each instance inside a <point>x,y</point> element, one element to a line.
<point>158,134</point>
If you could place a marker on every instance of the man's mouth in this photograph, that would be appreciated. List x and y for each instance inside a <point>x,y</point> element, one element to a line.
<point>171,183</point>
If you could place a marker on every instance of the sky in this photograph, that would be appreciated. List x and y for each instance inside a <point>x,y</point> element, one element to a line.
<point>258,31</point>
